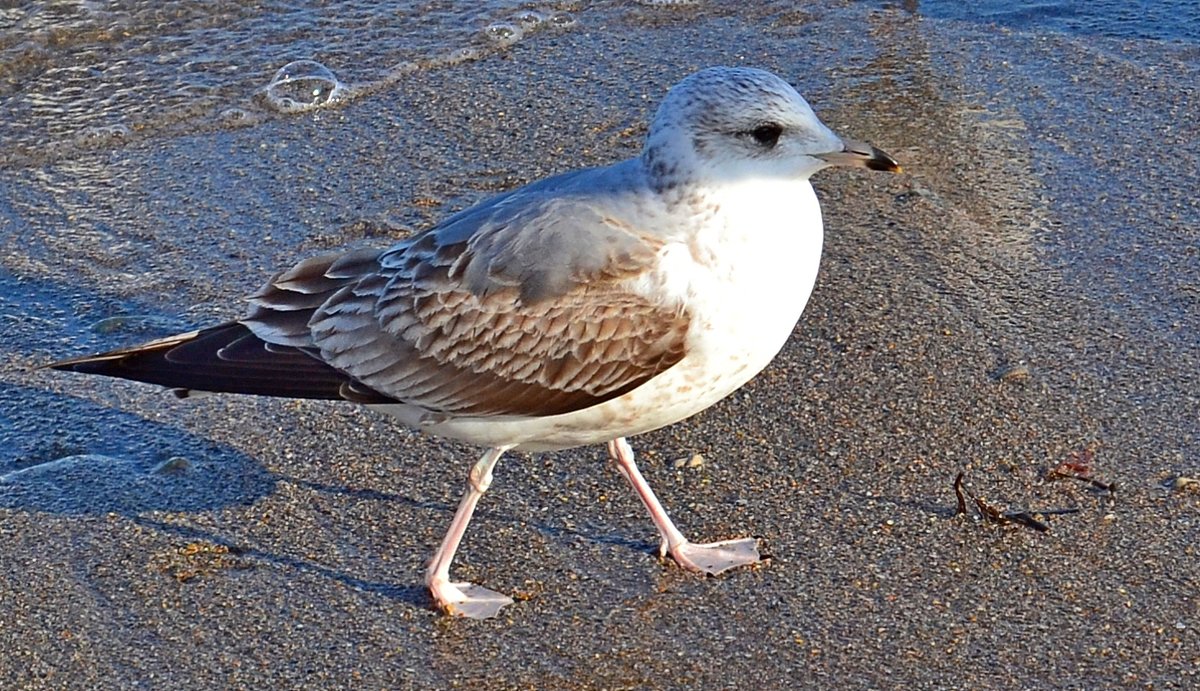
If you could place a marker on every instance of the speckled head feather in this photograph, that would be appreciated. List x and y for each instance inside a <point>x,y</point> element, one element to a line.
<point>726,122</point>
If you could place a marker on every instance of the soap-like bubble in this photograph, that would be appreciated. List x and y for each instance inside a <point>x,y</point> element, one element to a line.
<point>303,85</point>
<point>529,18</point>
<point>562,20</point>
<point>503,33</point>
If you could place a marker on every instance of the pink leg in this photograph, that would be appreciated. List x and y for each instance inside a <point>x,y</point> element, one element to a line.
<point>712,558</point>
<point>465,599</point>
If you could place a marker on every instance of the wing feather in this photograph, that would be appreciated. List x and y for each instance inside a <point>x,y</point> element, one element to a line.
<point>518,306</point>
<point>447,320</point>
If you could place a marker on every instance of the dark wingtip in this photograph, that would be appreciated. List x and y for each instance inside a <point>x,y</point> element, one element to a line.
<point>107,363</point>
<point>227,358</point>
<point>87,364</point>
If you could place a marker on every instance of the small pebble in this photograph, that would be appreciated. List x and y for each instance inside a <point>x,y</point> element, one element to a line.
<point>1013,373</point>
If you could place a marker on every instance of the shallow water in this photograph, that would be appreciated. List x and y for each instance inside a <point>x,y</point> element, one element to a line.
<point>1169,20</point>
<point>98,75</point>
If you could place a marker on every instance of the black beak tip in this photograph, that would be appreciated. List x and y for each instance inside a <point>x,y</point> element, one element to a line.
<point>883,162</point>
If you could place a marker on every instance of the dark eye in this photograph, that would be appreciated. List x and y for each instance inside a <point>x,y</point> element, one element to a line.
<point>767,135</point>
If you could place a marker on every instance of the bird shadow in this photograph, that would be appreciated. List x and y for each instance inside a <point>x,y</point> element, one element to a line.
<point>68,456</point>
<point>64,455</point>
<point>554,532</point>
<point>410,594</point>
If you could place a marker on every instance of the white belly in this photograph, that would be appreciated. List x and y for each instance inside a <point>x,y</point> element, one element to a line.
<point>745,287</point>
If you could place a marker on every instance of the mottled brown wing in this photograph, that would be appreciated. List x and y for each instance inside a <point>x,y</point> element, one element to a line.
<point>460,353</point>
<point>448,320</point>
<point>417,334</point>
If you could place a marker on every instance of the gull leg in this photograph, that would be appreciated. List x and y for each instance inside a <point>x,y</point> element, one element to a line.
<point>465,599</point>
<point>711,558</point>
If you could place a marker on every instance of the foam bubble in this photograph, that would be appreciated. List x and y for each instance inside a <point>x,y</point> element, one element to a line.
<point>401,69</point>
<point>459,55</point>
<point>238,117</point>
<point>303,85</point>
<point>102,135</point>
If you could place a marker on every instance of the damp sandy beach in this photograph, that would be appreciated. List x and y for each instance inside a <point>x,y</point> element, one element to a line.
<point>1019,308</point>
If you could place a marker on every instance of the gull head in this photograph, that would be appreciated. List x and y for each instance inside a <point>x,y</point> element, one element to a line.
<point>734,123</point>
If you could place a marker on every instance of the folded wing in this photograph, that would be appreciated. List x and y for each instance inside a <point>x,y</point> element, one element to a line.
<point>521,306</point>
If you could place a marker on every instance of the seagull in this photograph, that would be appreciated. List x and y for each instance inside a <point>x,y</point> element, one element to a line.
<point>581,309</point>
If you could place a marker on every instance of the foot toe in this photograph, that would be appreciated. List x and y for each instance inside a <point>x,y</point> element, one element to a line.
<point>469,600</point>
<point>717,557</point>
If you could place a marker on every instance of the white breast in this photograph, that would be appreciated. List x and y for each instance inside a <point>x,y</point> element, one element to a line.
<point>744,278</point>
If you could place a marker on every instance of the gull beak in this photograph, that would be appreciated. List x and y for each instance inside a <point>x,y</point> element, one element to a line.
<point>861,154</point>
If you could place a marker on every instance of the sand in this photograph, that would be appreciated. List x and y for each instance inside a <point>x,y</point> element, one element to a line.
<point>1023,297</point>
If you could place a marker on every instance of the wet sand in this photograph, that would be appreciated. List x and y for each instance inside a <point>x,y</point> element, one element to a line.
<point>1024,296</point>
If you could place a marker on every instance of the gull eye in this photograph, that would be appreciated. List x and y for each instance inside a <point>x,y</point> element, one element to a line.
<point>766,135</point>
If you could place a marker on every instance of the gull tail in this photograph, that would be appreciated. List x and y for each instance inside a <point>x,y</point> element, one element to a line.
<point>225,359</point>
